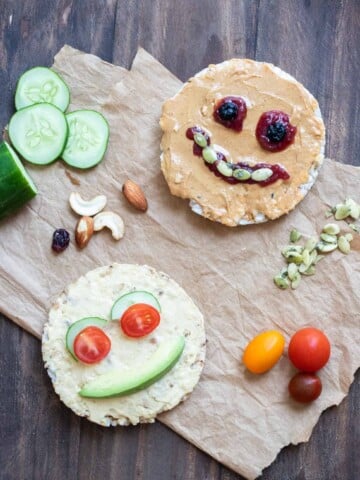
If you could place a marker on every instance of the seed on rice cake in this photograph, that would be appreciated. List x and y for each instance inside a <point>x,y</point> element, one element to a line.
<point>93,295</point>
<point>254,117</point>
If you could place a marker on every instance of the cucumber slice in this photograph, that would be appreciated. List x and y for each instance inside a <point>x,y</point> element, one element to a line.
<point>39,85</point>
<point>88,138</point>
<point>39,133</point>
<point>79,325</point>
<point>125,301</point>
<point>16,186</point>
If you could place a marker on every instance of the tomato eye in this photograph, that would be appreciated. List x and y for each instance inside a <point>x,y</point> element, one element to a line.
<point>139,320</point>
<point>91,345</point>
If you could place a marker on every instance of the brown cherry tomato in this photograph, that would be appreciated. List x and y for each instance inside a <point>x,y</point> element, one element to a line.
<point>305,387</point>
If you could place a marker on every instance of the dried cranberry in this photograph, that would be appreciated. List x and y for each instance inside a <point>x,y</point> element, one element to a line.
<point>61,240</point>
<point>274,131</point>
<point>231,112</point>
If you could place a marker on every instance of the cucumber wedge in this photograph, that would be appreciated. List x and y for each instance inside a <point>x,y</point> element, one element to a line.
<point>39,133</point>
<point>88,139</point>
<point>39,85</point>
<point>76,328</point>
<point>16,186</point>
<point>123,382</point>
<point>125,301</point>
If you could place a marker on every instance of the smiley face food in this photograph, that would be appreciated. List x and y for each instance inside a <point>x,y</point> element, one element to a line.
<point>114,376</point>
<point>242,140</point>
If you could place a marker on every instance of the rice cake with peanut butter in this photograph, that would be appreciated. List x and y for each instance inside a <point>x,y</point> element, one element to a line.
<point>93,295</point>
<point>242,140</point>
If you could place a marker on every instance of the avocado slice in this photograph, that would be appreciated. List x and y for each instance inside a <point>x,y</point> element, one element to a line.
<point>123,382</point>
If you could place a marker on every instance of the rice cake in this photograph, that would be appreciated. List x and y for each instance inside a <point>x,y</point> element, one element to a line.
<point>264,87</point>
<point>93,295</point>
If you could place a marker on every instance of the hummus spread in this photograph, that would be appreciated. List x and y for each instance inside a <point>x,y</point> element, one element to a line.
<point>93,295</point>
<point>264,87</point>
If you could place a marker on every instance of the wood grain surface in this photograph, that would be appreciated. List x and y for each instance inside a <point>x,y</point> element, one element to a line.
<point>316,41</point>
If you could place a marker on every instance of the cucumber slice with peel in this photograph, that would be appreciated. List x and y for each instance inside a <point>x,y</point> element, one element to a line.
<point>125,301</point>
<point>88,139</point>
<point>78,326</point>
<point>39,85</point>
<point>16,186</point>
<point>39,133</point>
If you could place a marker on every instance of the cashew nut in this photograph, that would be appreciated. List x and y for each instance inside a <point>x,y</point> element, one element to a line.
<point>112,221</point>
<point>87,208</point>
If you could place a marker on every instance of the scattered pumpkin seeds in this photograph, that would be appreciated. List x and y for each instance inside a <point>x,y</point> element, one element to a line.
<point>281,282</point>
<point>294,235</point>
<point>324,247</point>
<point>209,155</point>
<point>354,208</point>
<point>342,211</point>
<point>328,238</point>
<point>311,244</point>
<point>344,245</point>
<point>292,270</point>
<point>296,281</point>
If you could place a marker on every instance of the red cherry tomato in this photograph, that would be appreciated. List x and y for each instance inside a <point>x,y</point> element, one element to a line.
<point>91,345</point>
<point>139,320</point>
<point>309,349</point>
<point>305,387</point>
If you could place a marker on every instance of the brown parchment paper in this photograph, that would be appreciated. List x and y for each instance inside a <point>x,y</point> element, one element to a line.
<point>241,420</point>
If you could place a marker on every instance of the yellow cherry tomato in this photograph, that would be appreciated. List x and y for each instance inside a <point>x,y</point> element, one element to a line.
<point>264,351</point>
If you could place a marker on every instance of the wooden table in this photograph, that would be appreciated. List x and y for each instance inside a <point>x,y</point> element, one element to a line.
<point>316,41</point>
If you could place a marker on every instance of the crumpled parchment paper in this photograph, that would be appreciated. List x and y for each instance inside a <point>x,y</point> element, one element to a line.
<point>241,420</point>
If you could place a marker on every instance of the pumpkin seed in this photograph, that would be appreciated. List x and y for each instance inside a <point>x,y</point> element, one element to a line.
<point>241,174</point>
<point>349,237</point>
<point>354,208</point>
<point>328,213</point>
<point>318,258</point>
<point>294,258</point>
<point>209,155</point>
<point>331,229</point>
<point>200,140</point>
<point>224,169</point>
<point>309,271</point>
<point>294,235</point>
<point>344,245</point>
<point>324,247</point>
<point>306,257</point>
<point>296,281</point>
<point>261,174</point>
<point>284,272</point>
<point>291,249</point>
<point>281,282</point>
<point>328,238</point>
<point>303,268</point>
<point>342,211</point>
<point>311,244</point>
<point>354,227</point>
<point>292,270</point>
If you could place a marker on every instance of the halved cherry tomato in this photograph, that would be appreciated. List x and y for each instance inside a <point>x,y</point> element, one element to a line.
<point>139,320</point>
<point>309,349</point>
<point>91,345</point>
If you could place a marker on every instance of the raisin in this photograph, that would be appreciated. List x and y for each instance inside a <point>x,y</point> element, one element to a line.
<point>60,240</point>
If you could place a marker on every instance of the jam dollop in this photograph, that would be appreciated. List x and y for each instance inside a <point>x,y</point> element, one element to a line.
<point>274,131</point>
<point>240,172</point>
<point>231,112</point>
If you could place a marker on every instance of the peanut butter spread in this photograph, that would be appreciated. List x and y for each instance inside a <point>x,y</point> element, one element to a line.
<point>264,88</point>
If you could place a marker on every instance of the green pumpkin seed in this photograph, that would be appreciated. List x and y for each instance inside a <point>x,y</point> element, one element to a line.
<point>311,244</point>
<point>292,270</point>
<point>209,155</point>
<point>309,271</point>
<point>294,235</point>
<point>200,140</point>
<point>261,174</point>
<point>291,249</point>
<point>281,282</point>
<point>328,238</point>
<point>306,257</point>
<point>224,169</point>
<point>354,208</point>
<point>318,258</point>
<point>344,245</point>
<point>328,213</point>
<point>349,237</point>
<point>284,272</point>
<point>331,229</point>
<point>295,258</point>
<point>241,174</point>
<point>342,211</point>
<point>354,227</point>
<point>324,247</point>
<point>296,281</point>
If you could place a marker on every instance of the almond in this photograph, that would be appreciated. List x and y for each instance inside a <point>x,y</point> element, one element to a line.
<point>134,195</point>
<point>83,231</point>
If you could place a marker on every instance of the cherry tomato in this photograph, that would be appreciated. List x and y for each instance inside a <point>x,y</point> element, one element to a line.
<point>305,387</point>
<point>139,320</point>
<point>264,351</point>
<point>309,349</point>
<point>91,345</point>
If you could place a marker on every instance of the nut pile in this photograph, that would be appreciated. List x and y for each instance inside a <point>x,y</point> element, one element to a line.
<point>302,259</point>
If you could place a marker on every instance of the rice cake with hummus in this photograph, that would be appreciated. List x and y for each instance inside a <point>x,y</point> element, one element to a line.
<point>255,117</point>
<point>95,295</point>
